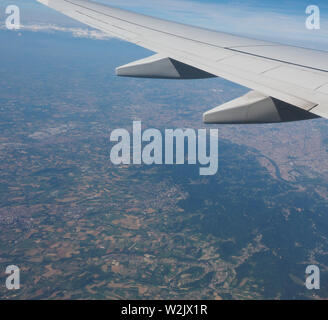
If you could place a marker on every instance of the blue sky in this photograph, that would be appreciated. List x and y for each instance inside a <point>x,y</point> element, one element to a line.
<point>282,21</point>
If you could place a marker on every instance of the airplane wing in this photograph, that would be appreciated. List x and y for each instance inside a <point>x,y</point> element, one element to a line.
<point>288,83</point>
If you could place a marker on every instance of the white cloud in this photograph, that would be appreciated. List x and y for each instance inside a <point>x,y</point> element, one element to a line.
<point>76,32</point>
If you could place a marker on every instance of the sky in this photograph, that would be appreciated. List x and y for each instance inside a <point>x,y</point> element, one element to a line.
<point>281,21</point>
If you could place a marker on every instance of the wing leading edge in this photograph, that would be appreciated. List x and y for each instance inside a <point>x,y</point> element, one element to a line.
<point>289,83</point>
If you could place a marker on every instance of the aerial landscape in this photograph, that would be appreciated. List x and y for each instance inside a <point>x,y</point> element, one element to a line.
<point>80,227</point>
